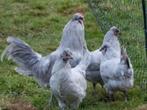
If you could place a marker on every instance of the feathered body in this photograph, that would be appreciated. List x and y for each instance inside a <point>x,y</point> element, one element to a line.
<point>111,43</point>
<point>93,70</point>
<point>117,74</point>
<point>31,63</point>
<point>68,84</point>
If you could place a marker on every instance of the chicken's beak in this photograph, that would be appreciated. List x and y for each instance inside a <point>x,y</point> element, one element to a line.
<point>116,32</point>
<point>79,18</point>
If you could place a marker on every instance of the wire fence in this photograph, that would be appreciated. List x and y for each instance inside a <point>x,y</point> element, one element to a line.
<point>128,16</point>
<point>144,5</point>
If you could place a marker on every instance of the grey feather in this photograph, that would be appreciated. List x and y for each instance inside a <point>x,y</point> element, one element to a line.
<point>30,63</point>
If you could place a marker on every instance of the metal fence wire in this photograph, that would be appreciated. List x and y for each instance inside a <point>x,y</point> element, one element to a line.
<point>128,16</point>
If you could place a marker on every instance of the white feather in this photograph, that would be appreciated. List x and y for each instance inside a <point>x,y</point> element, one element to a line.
<point>69,84</point>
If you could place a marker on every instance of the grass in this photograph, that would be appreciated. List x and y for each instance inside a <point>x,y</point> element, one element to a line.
<point>40,24</point>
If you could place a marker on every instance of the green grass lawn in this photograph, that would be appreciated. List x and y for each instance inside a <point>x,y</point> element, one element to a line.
<point>40,24</point>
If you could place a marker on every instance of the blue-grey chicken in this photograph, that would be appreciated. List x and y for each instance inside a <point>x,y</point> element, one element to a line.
<point>31,63</point>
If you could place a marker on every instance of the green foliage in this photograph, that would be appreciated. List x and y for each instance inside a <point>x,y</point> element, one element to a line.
<point>40,24</point>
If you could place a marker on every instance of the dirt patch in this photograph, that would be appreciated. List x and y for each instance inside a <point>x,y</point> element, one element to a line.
<point>142,107</point>
<point>19,105</point>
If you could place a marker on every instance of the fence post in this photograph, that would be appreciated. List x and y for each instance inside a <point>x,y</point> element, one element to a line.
<point>145,22</point>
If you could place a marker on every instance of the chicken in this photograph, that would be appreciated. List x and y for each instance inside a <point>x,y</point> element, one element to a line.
<point>31,63</point>
<point>97,56</point>
<point>68,84</point>
<point>117,74</point>
<point>93,70</point>
<point>111,41</point>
